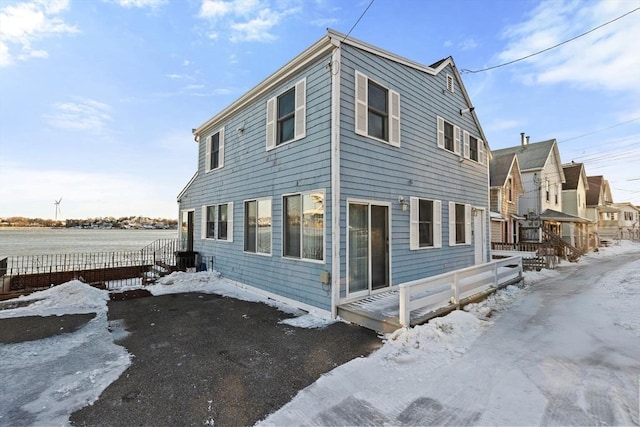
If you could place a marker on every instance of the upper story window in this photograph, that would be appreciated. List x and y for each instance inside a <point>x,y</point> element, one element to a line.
<point>257,226</point>
<point>303,226</point>
<point>214,157</point>
<point>377,111</point>
<point>459,224</point>
<point>473,148</point>
<point>547,191</point>
<point>558,190</point>
<point>425,223</point>
<point>448,136</point>
<point>510,190</point>
<point>217,222</point>
<point>286,116</point>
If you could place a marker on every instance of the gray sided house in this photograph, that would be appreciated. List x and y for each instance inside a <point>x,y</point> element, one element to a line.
<point>347,172</point>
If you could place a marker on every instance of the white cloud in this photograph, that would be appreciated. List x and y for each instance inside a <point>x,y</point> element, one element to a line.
<point>245,20</point>
<point>85,115</point>
<point>25,23</point>
<point>467,44</point>
<point>256,29</point>
<point>141,3</point>
<point>607,58</point>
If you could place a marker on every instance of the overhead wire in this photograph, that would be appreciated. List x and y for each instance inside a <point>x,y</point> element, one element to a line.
<point>467,71</point>
<point>358,21</point>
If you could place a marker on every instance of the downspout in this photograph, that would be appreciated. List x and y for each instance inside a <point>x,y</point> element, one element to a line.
<point>335,69</point>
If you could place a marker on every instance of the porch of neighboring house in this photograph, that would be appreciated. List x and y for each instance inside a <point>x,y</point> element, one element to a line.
<point>414,303</point>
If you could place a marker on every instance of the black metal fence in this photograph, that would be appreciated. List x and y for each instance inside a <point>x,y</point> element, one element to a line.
<point>110,270</point>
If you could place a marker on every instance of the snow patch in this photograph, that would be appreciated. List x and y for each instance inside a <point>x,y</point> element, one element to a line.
<point>309,321</point>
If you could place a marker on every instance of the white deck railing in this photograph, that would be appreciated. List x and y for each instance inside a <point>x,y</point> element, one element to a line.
<point>439,291</point>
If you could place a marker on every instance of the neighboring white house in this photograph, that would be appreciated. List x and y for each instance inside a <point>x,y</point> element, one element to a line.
<point>574,202</point>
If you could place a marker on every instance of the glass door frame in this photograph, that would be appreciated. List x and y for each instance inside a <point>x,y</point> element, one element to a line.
<point>369,290</point>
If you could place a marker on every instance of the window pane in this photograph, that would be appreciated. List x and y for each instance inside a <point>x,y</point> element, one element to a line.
<point>313,226</point>
<point>358,247</point>
<point>448,136</point>
<point>210,221</point>
<point>377,97</point>
<point>215,151</point>
<point>264,226</point>
<point>460,238</point>
<point>473,148</point>
<point>250,222</point>
<point>286,103</point>
<point>377,126</point>
<point>286,129</point>
<point>292,220</point>
<point>222,222</point>
<point>425,222</point>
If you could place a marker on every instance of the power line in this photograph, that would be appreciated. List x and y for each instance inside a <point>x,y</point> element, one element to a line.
<point>599,130</point>
<point>466,71</point>
<point>361,16</point>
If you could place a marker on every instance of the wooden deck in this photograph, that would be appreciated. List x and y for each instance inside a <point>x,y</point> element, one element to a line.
<point>431,297</point>
<point>380,312</point>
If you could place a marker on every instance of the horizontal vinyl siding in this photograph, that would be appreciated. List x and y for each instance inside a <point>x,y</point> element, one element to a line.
<point>373,170</point>
<point>251,172</point>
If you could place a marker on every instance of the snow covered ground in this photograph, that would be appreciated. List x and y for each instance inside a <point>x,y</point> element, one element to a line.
<point>565,349</point>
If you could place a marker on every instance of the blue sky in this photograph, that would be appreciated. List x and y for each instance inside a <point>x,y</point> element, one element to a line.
<point>98,97</point>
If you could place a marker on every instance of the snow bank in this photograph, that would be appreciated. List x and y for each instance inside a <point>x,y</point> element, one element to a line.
<point>66,372</point>
<point>69,298</point>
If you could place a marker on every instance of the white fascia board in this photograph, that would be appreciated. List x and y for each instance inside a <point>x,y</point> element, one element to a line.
<point>186,187</point>
<point>311,54</point>
<point>342,38</point>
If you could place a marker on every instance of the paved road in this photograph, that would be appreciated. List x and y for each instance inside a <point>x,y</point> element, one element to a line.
<point>561,355</point>
<point>204,359</point>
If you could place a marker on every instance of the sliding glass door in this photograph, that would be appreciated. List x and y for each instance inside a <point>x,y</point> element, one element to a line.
<point>368,248</point>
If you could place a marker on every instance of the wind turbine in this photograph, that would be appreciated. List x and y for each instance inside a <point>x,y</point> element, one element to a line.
<point>57,203</point>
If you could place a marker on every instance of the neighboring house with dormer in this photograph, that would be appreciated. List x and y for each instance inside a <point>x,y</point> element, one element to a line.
<point>542,177</point>
<point>599,209</point>
<point>574,202</point>
<point>346,172</point>
<point>506,188</point>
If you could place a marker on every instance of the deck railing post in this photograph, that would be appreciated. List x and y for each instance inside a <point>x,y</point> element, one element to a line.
<point>404,312</point>
<point>454,287</point>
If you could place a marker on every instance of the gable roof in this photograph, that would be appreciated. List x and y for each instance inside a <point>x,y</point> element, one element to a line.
<point>572,173</point>
<point>593,194</point>
<point>534,156</point>
<point>321,48</point>
<point>500,168</point>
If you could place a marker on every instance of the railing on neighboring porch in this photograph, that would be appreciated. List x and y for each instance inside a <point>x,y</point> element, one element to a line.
<point>431,293</point>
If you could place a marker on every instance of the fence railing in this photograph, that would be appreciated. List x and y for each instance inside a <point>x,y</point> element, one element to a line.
<point>432,293</point>
<point>111,269</point>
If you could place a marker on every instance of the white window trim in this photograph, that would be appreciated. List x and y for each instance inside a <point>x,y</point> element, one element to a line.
<point>467,148</point>
<point>207,161</point>
<point>299,119</point>
<point>456,136</point>
<point>324,229</point>
<point>203,222</point>
<point>361,117</point>
<point>244,231</point>
<point>452,224</point>
<point>414,232</point>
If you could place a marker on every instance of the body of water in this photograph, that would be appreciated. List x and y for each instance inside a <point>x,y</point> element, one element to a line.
<point>47,241</point>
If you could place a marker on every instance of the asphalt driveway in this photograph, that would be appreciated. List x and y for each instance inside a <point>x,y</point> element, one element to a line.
<point>202,359</point>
